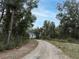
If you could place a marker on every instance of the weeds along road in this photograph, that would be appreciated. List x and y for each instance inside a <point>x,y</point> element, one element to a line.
<point>46,50</point>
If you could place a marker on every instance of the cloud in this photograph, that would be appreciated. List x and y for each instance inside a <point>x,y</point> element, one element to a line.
<point>77,0</point>
<point>43,13</point>
<point>40,14</point>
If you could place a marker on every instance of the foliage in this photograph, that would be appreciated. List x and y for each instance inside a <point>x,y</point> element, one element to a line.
<point>47,31</point>
<point>69,18</point>
<point>20,12</point>
<point>37,32</point>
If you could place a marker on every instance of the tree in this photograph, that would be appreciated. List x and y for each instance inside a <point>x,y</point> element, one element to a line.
<point>48,30</point>
<point>37,32</point>
<point>69,18</point>
<point>17,18</point>
<point>52,30</point>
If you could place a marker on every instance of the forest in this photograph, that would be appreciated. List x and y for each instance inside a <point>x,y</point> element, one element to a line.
<point>16,19</point>
<point>68,14</point>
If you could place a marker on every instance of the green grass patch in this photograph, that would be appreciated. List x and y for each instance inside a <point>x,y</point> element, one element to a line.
<point>70,49</point>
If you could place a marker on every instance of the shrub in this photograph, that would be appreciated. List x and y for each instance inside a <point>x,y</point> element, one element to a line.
<point>14,42</point>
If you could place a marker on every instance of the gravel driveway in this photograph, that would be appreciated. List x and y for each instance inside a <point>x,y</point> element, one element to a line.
<point>46,50</point>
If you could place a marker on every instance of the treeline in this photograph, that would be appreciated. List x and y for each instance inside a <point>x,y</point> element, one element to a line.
<point>69,22</point>
<point>15,19</point>
<point>45,32</point>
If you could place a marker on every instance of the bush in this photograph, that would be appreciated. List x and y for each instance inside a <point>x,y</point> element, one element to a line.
<point>14,42</point>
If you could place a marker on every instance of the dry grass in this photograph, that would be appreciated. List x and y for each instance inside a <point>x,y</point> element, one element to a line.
<point>71,49</point>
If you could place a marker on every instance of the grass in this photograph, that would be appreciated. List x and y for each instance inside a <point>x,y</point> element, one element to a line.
<point>70,49</point>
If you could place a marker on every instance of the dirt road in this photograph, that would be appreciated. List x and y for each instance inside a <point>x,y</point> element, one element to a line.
<point>46,50</point>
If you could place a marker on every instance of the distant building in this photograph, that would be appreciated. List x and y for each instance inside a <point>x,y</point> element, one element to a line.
<point>31,35</point>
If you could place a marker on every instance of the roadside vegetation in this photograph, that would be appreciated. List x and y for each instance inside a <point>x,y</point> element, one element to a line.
<point>20,52</point>
<point>71,49</point>
<point>15,20</point>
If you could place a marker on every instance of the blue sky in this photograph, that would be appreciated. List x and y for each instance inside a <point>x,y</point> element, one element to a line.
<point>46,11</point>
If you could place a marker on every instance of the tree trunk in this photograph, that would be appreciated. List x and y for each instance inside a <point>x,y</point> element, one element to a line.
<point>10,28</point>
<point>1,9</point>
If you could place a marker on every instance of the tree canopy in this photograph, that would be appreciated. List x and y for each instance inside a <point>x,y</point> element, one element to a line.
<point>16,17</point>
<point>69,18</point>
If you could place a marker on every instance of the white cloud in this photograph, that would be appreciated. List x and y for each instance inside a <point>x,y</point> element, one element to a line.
<point>78,0</point>
<point>40,14</point>
<point>43,13</point>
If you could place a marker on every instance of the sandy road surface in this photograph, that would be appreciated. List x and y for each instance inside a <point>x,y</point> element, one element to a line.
<point>46,50</point>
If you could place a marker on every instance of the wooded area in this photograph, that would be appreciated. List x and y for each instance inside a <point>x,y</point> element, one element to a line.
<point>68,14</point>
<point>16,18</point>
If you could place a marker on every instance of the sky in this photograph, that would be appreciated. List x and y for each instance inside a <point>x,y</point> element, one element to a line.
<point>46,11</point>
